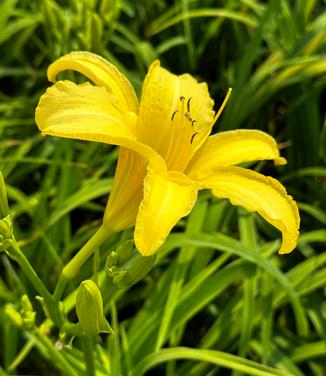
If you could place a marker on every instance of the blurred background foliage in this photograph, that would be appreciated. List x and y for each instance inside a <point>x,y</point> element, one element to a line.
<point>217,285</point>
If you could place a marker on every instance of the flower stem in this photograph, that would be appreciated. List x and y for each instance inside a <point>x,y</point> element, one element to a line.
<point>60,287</point>
<point>73,266</point>
<point>55,355</point>
<point>87,343</point>
<point>115,342</point>
<point>53,310</point>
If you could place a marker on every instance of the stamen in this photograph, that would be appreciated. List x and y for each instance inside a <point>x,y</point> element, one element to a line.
<point>182,99</point>
<point>222,106</point>
<point>192,122</point>
<point>187,115</point>
<point>193,136</point>
<point>173,115</point>
<point>188,104</point>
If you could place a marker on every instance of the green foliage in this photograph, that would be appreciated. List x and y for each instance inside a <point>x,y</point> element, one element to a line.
<point>218,301</point>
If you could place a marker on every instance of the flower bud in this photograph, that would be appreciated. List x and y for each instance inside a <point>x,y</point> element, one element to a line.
<point>137,270</point>
<point>89,308</point>
<point>6,231</point>
<point>111,262</point>
<point>125,252</point>
<point>27,312</point>
<point>126,266</point>
<point>26,303</point>
<point>14,316</point>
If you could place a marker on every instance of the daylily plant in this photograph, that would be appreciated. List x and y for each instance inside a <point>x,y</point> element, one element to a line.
<point>167,153</point>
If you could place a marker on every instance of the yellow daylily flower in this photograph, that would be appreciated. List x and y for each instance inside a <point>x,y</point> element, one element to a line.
<point>166,152</point>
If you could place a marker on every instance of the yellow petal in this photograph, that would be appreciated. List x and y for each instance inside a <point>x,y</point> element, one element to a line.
<point>174,127</point>
<point>101,72</point>
<point>75,108</point>
<point>230,148</point>
<point>167,198</point>
<point>263,194</point>
<point>127,190</point>
<point>90,113</point>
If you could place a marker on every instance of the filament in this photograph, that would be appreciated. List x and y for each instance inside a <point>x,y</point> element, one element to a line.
<point>218,114</point>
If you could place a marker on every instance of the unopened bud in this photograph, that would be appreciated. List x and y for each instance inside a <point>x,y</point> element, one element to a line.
<point>125,252</point>
<point>111,262</point>
<point>89,308</point>
<point>137,270</point>
<point>6,231</point>
<point>27,312</point>
<point>26,303</point>
<point>14,316</point>
<point>126,266</point>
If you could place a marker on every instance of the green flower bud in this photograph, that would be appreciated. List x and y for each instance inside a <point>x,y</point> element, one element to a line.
<point>5,244</point>
<point>111,264</point>
<point>6,231</point>
<point>117,259</point>
<point>126,266</point>
<point>125,252</point>
<point>137,270</point>
<point>14,316</point>
<point>6,227</point>
<point>89,308</point>
<point>27,312</point>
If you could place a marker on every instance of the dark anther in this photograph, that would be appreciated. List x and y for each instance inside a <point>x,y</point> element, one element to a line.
<point>188,104</point>
<point>192,137</point>
<point>173,115</point>
<point>187,115</point>
<point>193,122</point>
<point>182,98</point>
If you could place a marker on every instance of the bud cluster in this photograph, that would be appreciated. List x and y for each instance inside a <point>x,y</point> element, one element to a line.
<point>25,318</point>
